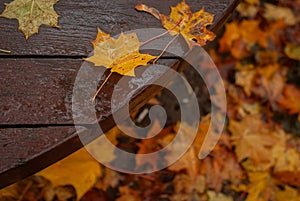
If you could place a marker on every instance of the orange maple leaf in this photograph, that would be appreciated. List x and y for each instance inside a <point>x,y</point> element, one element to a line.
<point>291,99</point>
<point>192,26</point>
<point>239,38</point>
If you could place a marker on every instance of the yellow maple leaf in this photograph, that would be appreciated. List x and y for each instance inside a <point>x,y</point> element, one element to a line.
<point>289,160</point>
<point>121,55</point>
<point>260,187</point>
<point>192,26</point>
<point>31,14</point>
<point>288,193</point>
<point>67,171</point>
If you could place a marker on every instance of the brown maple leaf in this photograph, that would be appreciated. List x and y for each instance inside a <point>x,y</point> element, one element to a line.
<point>192,26</point>
<point>221,165</point>
<point>289,177</point>
<point>253,140</point>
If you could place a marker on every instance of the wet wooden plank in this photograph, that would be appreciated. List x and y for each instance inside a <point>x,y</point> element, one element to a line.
<point>39,91</point>
<point>36,92</point>
<point>36,126</point>
<point>79,21</point>
<point>21,149</point>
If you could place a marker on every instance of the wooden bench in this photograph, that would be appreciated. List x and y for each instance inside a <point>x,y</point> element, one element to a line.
<point>37,78</point>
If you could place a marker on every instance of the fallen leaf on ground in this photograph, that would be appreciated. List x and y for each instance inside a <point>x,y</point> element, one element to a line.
<point>150,145</point>
<point>266,57</point>
<point>213,196</point>
<point>289,160</point>
<point>245,80</point>
<point>247,10</point>
<point>108,178</point>
<point>66,192</point>
<point>120,55</point>
<point>288,177</point>
<point>273,12</point>
<point>289,193</point>
<point>192,26</point>
<point>189,161</point>
<point>261,186</point>
<point>240,37</point>
<point>253,141</point>
<point>95,194</point>
<point>253,2</point>
<point>186,188</point>
<point>290,99</point>
<point>78,169</point>
<point>31,14</point>
<point>292,51</point>
<point>26,189</point>
<point>221,166</point>
<point>269,83</point>
<point>128,194</point>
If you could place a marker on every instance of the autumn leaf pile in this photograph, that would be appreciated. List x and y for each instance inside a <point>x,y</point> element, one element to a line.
<point>258,155</point>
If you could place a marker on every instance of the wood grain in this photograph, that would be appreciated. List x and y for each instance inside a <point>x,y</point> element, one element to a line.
<point>79,21</point>
<point>23,148</point>
<point>37,79</point>
<point>39,91</point>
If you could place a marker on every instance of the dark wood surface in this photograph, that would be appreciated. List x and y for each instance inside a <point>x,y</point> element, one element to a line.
<point>37,78</point>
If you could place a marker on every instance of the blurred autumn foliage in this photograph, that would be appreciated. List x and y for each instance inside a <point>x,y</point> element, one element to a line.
<point>258,155</point>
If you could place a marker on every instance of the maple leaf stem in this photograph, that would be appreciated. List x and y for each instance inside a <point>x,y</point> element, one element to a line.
<point>161,35</point>
<point>167,46</point>
<point>5,51</point>
<point>99,89</point>
<point>31,10</point>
